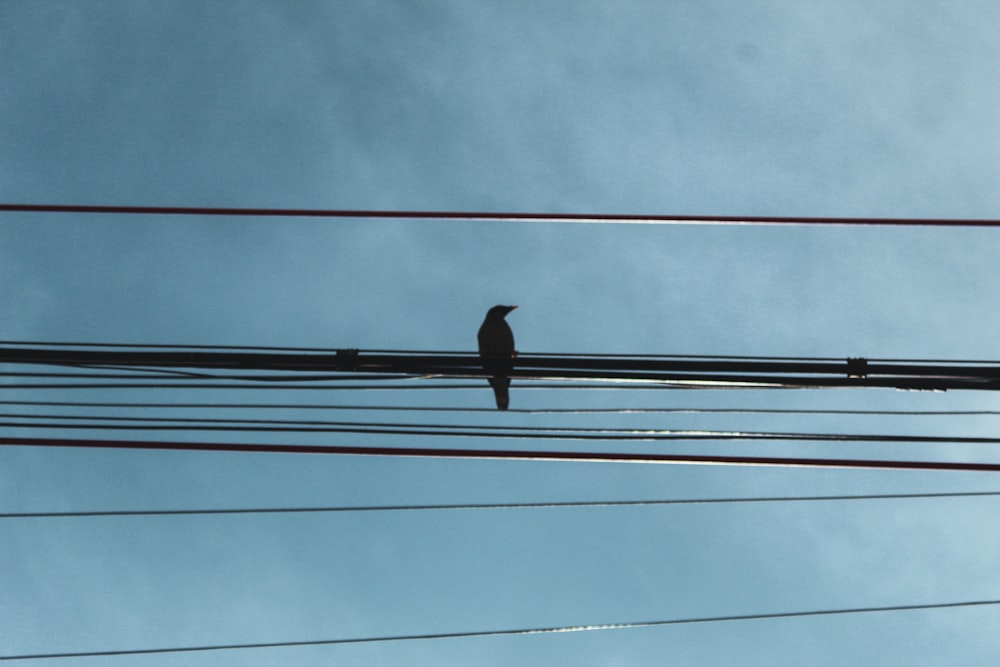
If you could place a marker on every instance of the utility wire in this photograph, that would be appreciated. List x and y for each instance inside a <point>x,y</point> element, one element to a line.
<point>506,454</point>
<point>161,347</point>
<point>167,375</point>
<point>471,431</point>
<point>331,350</point>
<point>434,386</point>
<point>519,631</point>
<point>851,372</point>
<point>492,506</point>
<point>531,411</point>
<point>481,216</point>
<point>215,385</point>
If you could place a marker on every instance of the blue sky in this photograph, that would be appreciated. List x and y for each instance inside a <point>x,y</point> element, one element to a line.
<point>715,108</point>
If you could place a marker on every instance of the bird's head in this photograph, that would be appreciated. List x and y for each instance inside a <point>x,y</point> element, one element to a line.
<point>500,312</point>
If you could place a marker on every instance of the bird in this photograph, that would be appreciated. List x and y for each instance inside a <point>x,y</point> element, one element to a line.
<point>496,351</point>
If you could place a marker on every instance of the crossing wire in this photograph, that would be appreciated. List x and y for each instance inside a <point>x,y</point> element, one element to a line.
<point>494,506</point>
<point>510,632</point>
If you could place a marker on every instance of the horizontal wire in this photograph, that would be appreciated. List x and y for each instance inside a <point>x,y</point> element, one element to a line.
<point>534,411</point>
<point>169,375</point>
<point>160,346</point>
<point>495,506</point>
<point>609,386</point>
<point>620,355</point>
<point>463,363</point>
<point>255,375</point>
<point>203,385</point>
<point>319,423</point>
<point>485,216</point>
<point>510,632</point>
<point>438,379</point>
<point>472,431</point>
<point>505,454</point>
<point>329,350</point>
<point>857,372</point>
<point>398,425</point>
<point>133,375</point>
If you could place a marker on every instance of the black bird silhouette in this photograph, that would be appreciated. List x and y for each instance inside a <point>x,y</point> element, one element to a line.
<point>496,351</point>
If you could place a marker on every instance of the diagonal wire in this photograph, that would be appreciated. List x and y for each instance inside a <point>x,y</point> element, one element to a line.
<point>519,631</point>
<point>495,506</point>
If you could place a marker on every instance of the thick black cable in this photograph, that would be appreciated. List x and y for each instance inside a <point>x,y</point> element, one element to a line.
<point>494,506</point>
<point>506,454</point>
<point>161,347</point>
<point>164,346</point>
<point>469,363</point>
<point>531,411</point>
<point>472,431</point>
<point>167,375</point>
<point>483,216</point>
<point>207,385</point>
<point>632,386</point>
<point>851,372</point>
<point>333,350</point>
<point>523,383</point>
<point>519,631</point>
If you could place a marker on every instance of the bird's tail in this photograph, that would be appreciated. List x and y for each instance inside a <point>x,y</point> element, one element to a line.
<point>501,385</point>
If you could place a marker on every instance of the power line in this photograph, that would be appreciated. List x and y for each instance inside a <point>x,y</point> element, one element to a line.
<point>482,216</point>
<point>687,371</point>
<point>506,454</point>
<point>530,411</point>
<point>519,631</point>
<point>428,384</point>
<point>493,506</point>
<point>333,350</point>
<point>161,346</point>
<point>468,430</point>
<point>168,375</point>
